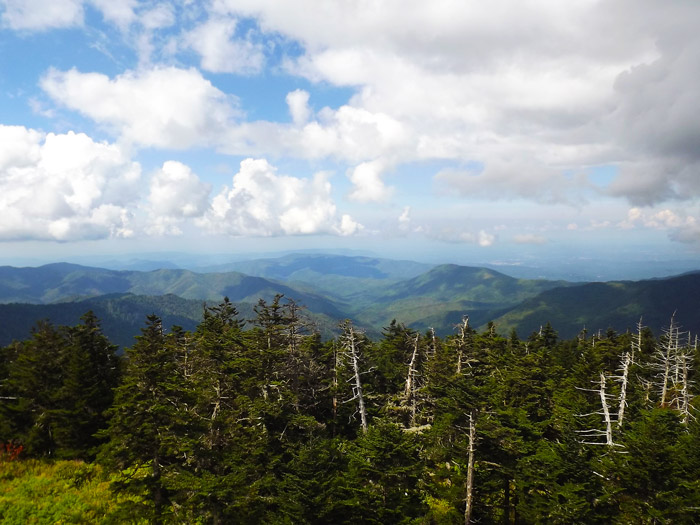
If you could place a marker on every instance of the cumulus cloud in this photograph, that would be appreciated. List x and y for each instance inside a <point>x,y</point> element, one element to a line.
<point>176,193</point>
<point>347,134</point>
<point>262,203</point>
<point>524,82</point>
<point>520,89</point>
<point>164,107</point>
<point>658,219</point>
<point>221,51</point>
<point>298,103</point>
<point>485,239</point>
<point>348,226</point>
<point>63,187</point>
<point>681,226</point>
<point>368,185</point>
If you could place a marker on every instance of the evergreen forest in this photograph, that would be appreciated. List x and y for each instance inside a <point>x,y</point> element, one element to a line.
<point>261,420</point>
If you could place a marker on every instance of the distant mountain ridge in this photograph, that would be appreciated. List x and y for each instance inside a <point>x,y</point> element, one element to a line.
<point>369,291</point>
<point>62,281</point>
<point>616,304</point>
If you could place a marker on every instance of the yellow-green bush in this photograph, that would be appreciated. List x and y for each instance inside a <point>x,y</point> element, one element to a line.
<point>33,491</point>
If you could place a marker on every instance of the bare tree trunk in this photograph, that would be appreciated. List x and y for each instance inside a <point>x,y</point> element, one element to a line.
<point>626,361</point>
<point>684,402</point>
<point>463,330</point>
<point>637,344</point>
<point>666,356</point>
<point>357,388</point>
<point>433,346</point>
<point>410,387</point>
<point>470,472</point>
<point>606,413</point>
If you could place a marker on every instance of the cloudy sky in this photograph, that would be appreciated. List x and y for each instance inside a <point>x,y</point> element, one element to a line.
<point>482,129</point>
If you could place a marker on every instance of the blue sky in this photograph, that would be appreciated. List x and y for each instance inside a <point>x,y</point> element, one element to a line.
<point>459,129</point>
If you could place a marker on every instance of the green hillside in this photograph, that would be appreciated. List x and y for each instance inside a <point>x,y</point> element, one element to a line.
<point>617,305</point>
<point>441,296</point>
<point>122,315</point>
<point>336,275</point>
<point>332,288</point>
<point>64,282</point>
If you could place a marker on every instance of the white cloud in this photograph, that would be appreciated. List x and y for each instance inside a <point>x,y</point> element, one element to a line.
<point>681,226</point>
<point>119,12</point>
<point>516,83</point>
<point>176,193</point>
<point>263,203</point>
<point>347,134</point>
<point>158,17</point>
<point>19,147</point>
<point>162,107</point>
<point>298,103</point>
<point>485,239</point>
<point>519,88</point>
<point>529,238</point>
<point>38,15</point>
<point>348,226</point>
<point>64,187</point>
<point>367,182</point>
<point>659,220</point>
<point>42,14</point>
<point>221,51</point>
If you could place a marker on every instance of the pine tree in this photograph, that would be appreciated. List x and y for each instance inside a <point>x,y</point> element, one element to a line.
<point>143,427</point>
<point>31,389</point>
<point>90,375</point>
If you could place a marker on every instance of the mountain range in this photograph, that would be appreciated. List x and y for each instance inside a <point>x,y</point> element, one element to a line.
<point>370,291</point>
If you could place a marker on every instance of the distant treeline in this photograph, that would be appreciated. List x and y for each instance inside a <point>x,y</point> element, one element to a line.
<point>272,424</point>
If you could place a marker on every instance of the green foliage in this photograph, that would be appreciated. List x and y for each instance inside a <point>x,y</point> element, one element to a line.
<point>33,491</point>
<point>257,421</point>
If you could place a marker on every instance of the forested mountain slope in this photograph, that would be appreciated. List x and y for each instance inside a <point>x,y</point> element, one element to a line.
<point>60,282</point>
<point>275,425</point>
<point>617,305</point>
<point>441,296</point>
<point>366,290</point>
<point>337,275</point>
<point>122,315</point>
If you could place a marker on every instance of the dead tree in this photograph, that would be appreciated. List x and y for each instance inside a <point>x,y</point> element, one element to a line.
<point>462,343</point>
<point>594,436</point>
<point>349,343</point>
<point>685,364</point>
<point>664,361</point>
<point>411,381</point>
<point>623,379</point>
<point>636,344</point>
<point>469,501</point>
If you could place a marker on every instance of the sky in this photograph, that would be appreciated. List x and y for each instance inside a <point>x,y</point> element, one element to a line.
<point>463,130</point>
